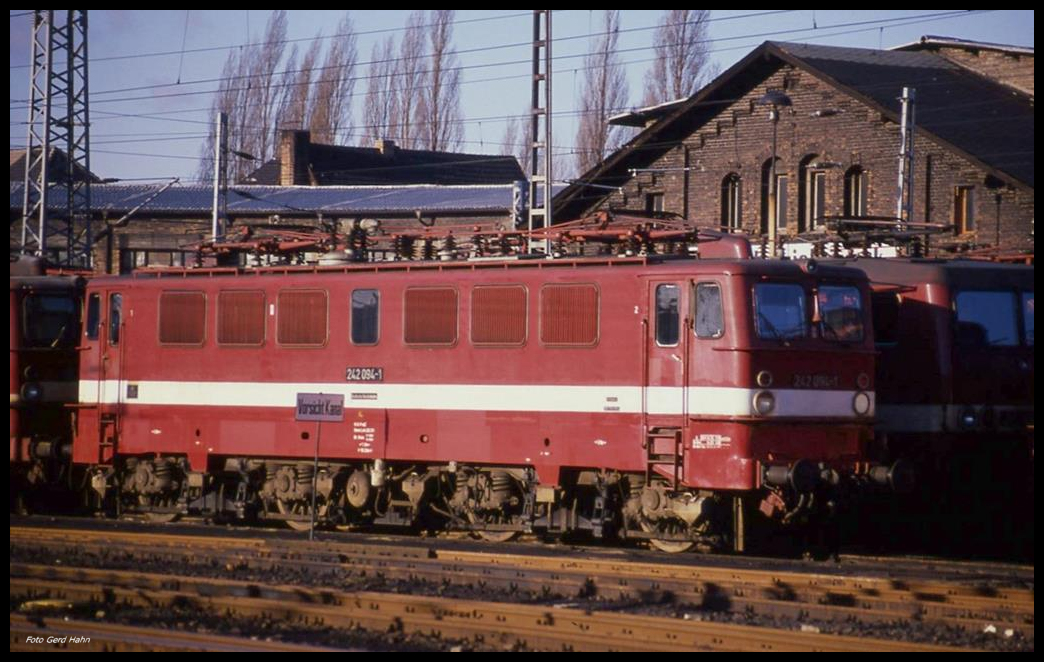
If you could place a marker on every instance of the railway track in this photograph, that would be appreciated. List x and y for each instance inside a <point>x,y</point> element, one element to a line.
<point>591,583</point>
<point>497,623</point>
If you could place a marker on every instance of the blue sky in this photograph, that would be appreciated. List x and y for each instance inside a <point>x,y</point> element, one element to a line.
<point>157,131</point>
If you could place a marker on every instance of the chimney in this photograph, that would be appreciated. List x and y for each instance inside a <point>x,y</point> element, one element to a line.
<point>386,147</point>
<point>294,157</point>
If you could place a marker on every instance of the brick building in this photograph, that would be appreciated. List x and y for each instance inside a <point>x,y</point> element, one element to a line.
<point>708,158</point>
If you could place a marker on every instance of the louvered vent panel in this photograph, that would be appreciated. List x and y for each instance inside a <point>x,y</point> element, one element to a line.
<point>431,316</point>
<point>569,315</point>
<point>498,315</point>
<point>182,318</point>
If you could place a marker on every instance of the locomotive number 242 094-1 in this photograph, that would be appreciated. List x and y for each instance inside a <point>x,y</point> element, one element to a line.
<point>364,374</point>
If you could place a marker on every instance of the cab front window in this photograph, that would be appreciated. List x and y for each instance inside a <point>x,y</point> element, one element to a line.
<point>840,313</point>
<point>51,320</point>
<point>780,311</point>
<point>987,319</point>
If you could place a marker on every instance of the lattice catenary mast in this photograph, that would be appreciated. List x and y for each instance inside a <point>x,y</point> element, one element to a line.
<point>56,206</point>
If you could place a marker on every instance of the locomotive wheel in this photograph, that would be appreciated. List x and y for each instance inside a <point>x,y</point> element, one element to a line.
<point>668,546</point>
<point>161,518</point>
<point>491,536</point>
<point>497,536</point>
<point>295,524</point>
<point>672,546</point>
<point>298,525</point>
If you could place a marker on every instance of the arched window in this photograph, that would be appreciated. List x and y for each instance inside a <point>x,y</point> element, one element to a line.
<point>811,194</point>
<point>856,181</point>
<point>731,202</point>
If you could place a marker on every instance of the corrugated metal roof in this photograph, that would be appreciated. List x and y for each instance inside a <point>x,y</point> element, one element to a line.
<point>290,200</point>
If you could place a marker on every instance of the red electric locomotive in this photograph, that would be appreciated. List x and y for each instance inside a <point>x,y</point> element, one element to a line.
<point>675,400</point>
<point>955,396</point>
<point>44,318</point>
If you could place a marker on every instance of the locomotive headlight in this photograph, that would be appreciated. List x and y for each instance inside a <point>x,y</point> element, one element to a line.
<point>764,379</point>
<point>863,381</point>
<point>861,404</point>
<point>32,392</point>
<point>968,418</point>
<point>764,402</point>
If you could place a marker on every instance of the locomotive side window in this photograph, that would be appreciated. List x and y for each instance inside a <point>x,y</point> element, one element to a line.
<point>241,318</point>
<point>986,318</point>
<point>50,320</point>
<point>710,320</point>
<point>182,318</point>
<point>93,316</point>
<point>366,307</point>
<point>667,316</point>
<point>115,313</point>
<point>1027,316</point>
<point>430,316</point>
<point>302,318</point>
<point>569,315</point>
<point>498,315</point>
<point>779,311</point>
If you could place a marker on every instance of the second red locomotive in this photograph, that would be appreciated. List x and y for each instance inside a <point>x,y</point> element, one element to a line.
<point>955,390</point>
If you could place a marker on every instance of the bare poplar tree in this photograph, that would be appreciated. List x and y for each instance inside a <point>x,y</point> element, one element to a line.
<point>682,64</point>
<point>380,107</point>
<point>438,112</point>
<point>286,87</point>
<point>249,94</point>
<point>262,93</point>
<point>409,80</point>
<point>516,142</point>
<point>604,92</point>
<point>228,99</point>
<point>297,81</point>
<point>330,115</point>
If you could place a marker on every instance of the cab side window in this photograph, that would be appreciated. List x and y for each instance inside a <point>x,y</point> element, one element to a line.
<point>710,319</point>
<point>115,316</point>
<point>93,316</point>
<point>667,315</point>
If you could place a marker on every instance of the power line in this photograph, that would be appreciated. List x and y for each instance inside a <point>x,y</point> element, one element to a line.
<point>210,49</point>
<point>491,118</point>
<point>280,74</point>
<point>905,21</point>
<point>462,68</point>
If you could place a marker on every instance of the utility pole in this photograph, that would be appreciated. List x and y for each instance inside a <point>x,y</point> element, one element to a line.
<point>220,209</point>
<point>904,196</point>
<point>540,141</point>
<point>56,223</point>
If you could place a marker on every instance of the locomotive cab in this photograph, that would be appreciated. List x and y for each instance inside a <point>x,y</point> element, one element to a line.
<point>773,368</point>
<point>44,325</point>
